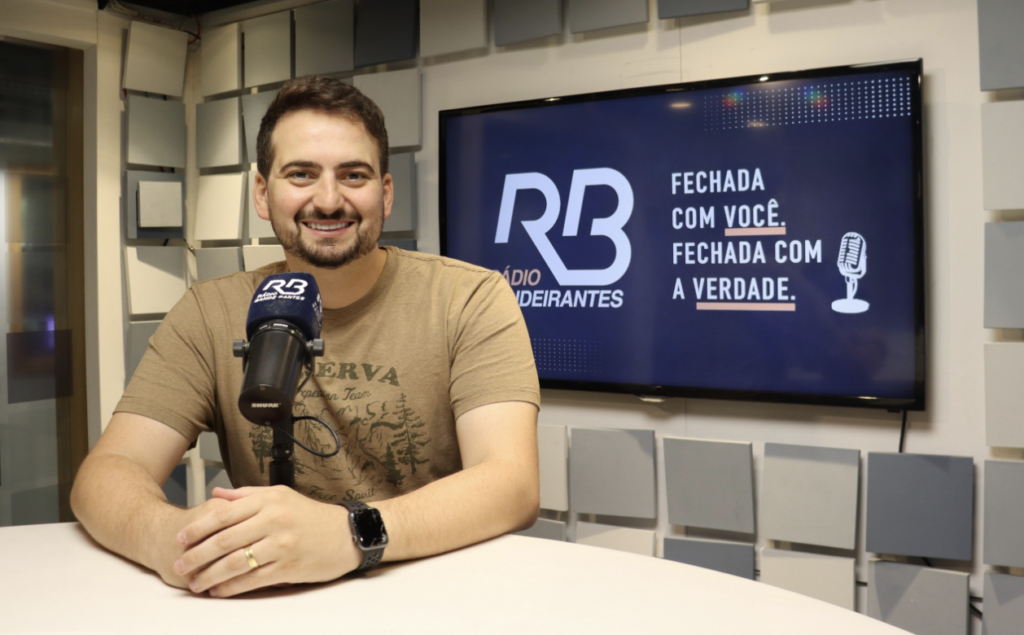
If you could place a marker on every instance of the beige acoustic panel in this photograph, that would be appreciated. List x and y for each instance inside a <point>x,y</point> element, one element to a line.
<point>403,217</point>
<point>257,227</point>
<point>219,212</point>
<point>160,204</point>
<point>268,49</point>
<point>638,541</point>
<point>219,133</point>
<point>450,26</point>
<point>398,95</point>
<point>256,256</point>
<point>325,38</point>
<point>156,278</point>
<point>553,451</point>
<point>209,448</point>
<point>1002,156</point>
<point>220,62</point>
<point>1004,399</point>
<point>155,59</point>
<point>920,600</point>
<point>825,578</point>
<point>156,132</point>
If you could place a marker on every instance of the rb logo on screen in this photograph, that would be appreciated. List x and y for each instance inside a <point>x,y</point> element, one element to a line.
<point>538,229</point>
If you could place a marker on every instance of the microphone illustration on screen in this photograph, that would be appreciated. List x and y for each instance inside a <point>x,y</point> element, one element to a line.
<point>853,264</point>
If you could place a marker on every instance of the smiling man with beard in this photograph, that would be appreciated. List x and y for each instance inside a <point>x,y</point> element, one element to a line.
<point>428,379</point>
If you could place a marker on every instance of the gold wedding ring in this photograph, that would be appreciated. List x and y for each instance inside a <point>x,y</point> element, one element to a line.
<point>251,558</point>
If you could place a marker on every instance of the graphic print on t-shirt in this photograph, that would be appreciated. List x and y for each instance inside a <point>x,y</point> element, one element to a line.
<point>383,439</point>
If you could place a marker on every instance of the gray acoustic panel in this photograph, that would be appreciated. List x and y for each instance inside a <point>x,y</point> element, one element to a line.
<point>1004,513</point>
<point>176,487</point>
<point>590,15</point>
<point>156,278</point>
<point>547,529</point>
<point>386,31</point>
<point>398,95</point>
<point>406,244</point>
<point>220,63</point>
<point>612,472</point>
<point>809,495</point>
<point>1004,270</point>
<point>403,209</point>
<point>553,456</point>
<point>216,477</point>
<point>255,227</point>
<point>450,26</point>
<point>35,506</point>
<point>682,8</point>
<point>156,132</point>
<point>209,448</point>
<point>138,341</point>
<point>268,49</point>
<point>638,541</point>
<point>921,600</point>
<point>523,20</point>
<point>325,38</point>
<point>1004,400</point>
<point>160,204</point>
<point>920,505</point>
<point>824,578</point>
<point>1000,23</point>
<point>29,435</point>
<point>217,262</point>
<point>1004,604</point>
<point>155,59</point>
<point>256,256</point>
<point>219,133</point>
<point>131,202</point>
<point>710,484</point>
<point>254,106</point>
<point>1002,156</point>
<point>727,557</point>
<point>219,210</point>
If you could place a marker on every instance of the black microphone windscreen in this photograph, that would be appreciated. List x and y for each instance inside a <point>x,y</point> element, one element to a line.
<point>292,297</point>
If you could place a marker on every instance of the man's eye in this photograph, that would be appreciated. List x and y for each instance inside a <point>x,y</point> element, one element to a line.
<point>354,177</point>
<point>299,175</point>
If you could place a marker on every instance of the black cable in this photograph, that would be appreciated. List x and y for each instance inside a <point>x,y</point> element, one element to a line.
<point>903,433</point>
<point>337,441</point>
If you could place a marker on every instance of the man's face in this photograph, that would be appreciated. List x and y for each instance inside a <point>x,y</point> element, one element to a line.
<point>324,195</point>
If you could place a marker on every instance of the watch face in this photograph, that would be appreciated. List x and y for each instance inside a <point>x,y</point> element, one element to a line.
<point>369,528</point>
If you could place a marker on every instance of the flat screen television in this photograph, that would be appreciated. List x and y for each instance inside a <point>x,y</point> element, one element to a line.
<point>757,238</point>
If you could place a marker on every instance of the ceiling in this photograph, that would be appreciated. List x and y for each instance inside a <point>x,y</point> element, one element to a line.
<point>183,7</point>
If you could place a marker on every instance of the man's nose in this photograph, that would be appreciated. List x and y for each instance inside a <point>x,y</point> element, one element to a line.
<point>328,196</point>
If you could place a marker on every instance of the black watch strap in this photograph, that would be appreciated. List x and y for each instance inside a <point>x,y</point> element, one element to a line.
<point>371,555</point>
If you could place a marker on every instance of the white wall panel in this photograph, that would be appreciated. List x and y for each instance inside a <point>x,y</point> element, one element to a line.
<point>219,212</point>
<point>256,256</point>
<point>219,133</point>
<point>398,95</point>
<point>156,278</point>
<point>156,132</point>
<point>220,64</point>
<point>638,541</point>
<point>155,59</point>
<point>553,453</point>
<point>268,49</point>
<point>1002,137</point>
<point>825,578</point>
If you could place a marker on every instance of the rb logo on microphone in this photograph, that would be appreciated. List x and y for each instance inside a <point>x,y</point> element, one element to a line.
<point>293,287</point>
<point>538,229</point>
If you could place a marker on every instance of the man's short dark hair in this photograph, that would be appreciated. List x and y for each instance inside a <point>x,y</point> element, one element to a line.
<point>324,94</point>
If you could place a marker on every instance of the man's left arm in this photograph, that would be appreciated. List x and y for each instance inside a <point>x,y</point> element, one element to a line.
<point>295,539</point>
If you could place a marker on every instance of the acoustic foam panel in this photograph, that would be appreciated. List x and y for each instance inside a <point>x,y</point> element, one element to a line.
<point>325,38</point>
<point>450,26</point>
<point>38,365</point>
<point>710,484</point>
<point>219,133</point>
<point>268,49</point>
<point>553,454</point>
<point>131,201</point>
<point>1004,269</point>
<point>1004,400</point>
<point>161,204</point>
<point>683,8</point>
<point>209,449</point>
<point>612,472</point>
<point>1004,513</point>
<point>156,278</point>
<point>220,68</point>
<point>217,262</point>
<point>37,506</point>
<point>156,132</point>
<point>216,477</point>
<point>1004,604</point>
<point>825,578</point>
<point>176,487</point>
<point>256,227</point>
<point>809,495</point>
<point>155,59</point>
<point>921,600</point>
<point>406,244</point>
<point>403,209</point>
<point>590,15</point>
<point>398,95</point>
<point>1001,47</point>
<point>254,106</point>
<point>219,212</point>
<point>523,20</point>
<point>547,529</point>
<point>920,505</point>
<point>638,541</point>
<point>726,557</point>
<point>386,31</point>
<point>256,256</point>
<point>1002,156</point>
<point>138,341</point>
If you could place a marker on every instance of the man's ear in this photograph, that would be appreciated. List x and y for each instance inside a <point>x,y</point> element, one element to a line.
<point>259,197</point>
<point>389,193</point>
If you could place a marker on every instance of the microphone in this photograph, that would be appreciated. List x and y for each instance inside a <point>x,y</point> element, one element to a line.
<point>283,328</point>
<point>853,264</point>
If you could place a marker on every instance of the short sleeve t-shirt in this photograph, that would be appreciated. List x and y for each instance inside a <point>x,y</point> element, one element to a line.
<point>433,339</point>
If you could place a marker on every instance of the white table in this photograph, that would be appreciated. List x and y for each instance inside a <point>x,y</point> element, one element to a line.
<point>55,579</point>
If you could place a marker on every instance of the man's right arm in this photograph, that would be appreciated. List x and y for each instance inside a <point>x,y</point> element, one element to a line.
<point>118,493</point>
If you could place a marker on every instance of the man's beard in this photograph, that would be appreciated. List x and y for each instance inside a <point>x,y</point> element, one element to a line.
<point>324,253</point>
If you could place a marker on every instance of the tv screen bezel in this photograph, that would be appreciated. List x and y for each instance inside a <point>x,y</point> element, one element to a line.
<point>916,402</point>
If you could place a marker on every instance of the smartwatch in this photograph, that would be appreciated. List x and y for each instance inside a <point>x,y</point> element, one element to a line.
<point>368,532</point>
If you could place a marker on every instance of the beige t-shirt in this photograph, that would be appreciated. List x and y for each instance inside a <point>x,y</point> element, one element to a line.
<point>432,339</point>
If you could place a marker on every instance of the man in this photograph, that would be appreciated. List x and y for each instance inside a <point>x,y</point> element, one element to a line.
<point>428,379</point>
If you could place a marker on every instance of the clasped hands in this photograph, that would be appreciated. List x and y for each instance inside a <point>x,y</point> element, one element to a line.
<point>293,539</point>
